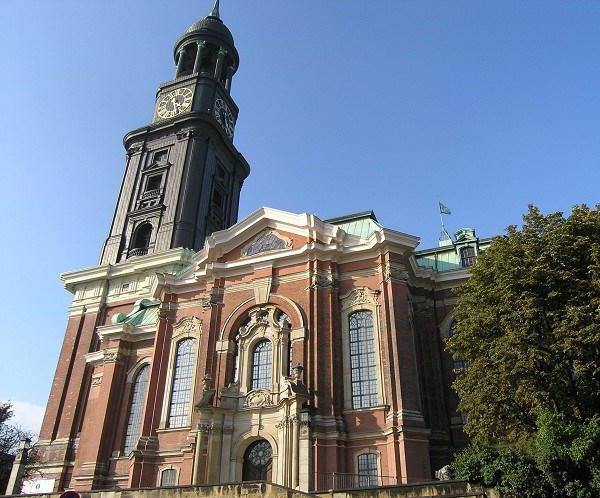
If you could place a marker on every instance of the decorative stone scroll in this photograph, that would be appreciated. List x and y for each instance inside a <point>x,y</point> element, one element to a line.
<point>258,398</point>
<point>360,296</point>
<point>188,326</point>
<point>266,242</point>
<point>394,273</point>
<point>322,281</point>
<point>113,355</point>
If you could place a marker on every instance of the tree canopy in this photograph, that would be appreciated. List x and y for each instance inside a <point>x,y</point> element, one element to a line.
<point>10,436</point>
<point>527,324</point>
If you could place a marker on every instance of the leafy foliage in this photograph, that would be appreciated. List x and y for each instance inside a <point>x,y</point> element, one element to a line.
<point>10,436</point>
<point>528,326</point>
<point>507,470</point>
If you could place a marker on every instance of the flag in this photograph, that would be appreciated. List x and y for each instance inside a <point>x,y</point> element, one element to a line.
<point>444,209</point>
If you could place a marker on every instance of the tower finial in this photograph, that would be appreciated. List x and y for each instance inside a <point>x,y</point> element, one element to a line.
<point>215,10</point>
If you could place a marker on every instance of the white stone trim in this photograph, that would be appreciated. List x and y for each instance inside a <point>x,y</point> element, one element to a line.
<point>256,330</point>
<point>134,370</point>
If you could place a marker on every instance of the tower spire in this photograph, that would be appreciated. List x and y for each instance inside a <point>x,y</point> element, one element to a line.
<point>215,10</point>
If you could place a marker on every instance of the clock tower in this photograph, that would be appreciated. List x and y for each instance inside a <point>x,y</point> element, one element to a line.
<point>183,175</point>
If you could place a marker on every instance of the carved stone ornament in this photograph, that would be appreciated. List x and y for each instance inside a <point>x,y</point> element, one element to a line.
<point>208,302</point>
<point>322,281</point>
<point>394,273</point>
<point>360,296</point>
<point>204,428</point>
<point>96,380</point>
<point>258,398</point>
<point>188,326</point>
<point>135,148</point>
<point>187,133</point>
<point>112,356</point>
<point>266,242</point>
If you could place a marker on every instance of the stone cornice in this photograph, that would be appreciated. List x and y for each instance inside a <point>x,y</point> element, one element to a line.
<point>130,267</point>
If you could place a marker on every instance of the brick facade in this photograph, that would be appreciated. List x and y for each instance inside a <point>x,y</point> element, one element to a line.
<point>353,402</point>
<point>321,275</point>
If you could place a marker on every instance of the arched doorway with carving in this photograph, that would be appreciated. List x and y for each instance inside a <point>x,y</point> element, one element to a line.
<point>258,461</point>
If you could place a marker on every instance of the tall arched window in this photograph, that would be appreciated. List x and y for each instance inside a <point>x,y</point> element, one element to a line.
<point>363,363</point>
<point>368,473</point>
<point>136,408</point>
<point>181,391</point>
<point>262,357</point>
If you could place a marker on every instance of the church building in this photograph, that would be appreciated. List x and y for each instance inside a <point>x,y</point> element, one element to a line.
<point>283,347</point>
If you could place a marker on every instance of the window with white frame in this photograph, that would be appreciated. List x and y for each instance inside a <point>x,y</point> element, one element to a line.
<point>368,472</point>
<point>181,390</point>
<point>136,409</point>
<point>363,361</point>
<point>168,477</point>
<point>262,359</point>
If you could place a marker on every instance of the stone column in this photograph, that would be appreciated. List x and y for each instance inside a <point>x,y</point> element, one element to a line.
<point>229,79</point>
<point>197,62</point>
<point>203,430</point>
<point>295,453</point>
<point>15,482</point>
<point>304,452</point>
<point>226,443</point>
<point>220,60</point>
<point>180,62</point>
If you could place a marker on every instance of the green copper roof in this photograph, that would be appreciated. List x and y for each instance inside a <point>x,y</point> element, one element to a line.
<point>145,312</point>
<point>360,224</point>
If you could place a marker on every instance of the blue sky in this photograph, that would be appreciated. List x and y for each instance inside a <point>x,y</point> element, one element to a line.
<point>344,106</point>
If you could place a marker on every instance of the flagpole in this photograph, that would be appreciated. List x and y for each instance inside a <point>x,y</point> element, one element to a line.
<point>444,210</point>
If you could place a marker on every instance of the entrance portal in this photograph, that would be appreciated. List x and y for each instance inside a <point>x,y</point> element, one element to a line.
<point>258,462</point>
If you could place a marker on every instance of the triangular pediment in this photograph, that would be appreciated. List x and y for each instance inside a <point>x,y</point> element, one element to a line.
<point>268,236</point>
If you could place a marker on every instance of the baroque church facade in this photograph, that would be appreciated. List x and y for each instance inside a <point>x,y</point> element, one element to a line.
<point>282,347</point>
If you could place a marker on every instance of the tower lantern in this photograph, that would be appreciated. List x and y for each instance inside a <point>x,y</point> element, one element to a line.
<point>207,48</point>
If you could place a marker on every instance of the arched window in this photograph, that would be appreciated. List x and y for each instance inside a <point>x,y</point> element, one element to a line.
<point>467,256</point>
<point>258,460</point>
<point>262,357</point>
<point>181,391</point>
<point>168,477</point>
<point>136,408</point>
<point>141,240</point>
<point>363,363</point>
<point>368,473</point>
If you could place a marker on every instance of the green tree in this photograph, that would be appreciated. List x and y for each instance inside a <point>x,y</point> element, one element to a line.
<point>528,326</point>
<point>10,436</point>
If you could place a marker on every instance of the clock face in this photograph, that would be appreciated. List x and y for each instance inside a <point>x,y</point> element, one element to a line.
<point>175,102</point>
<point>224,117</point>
